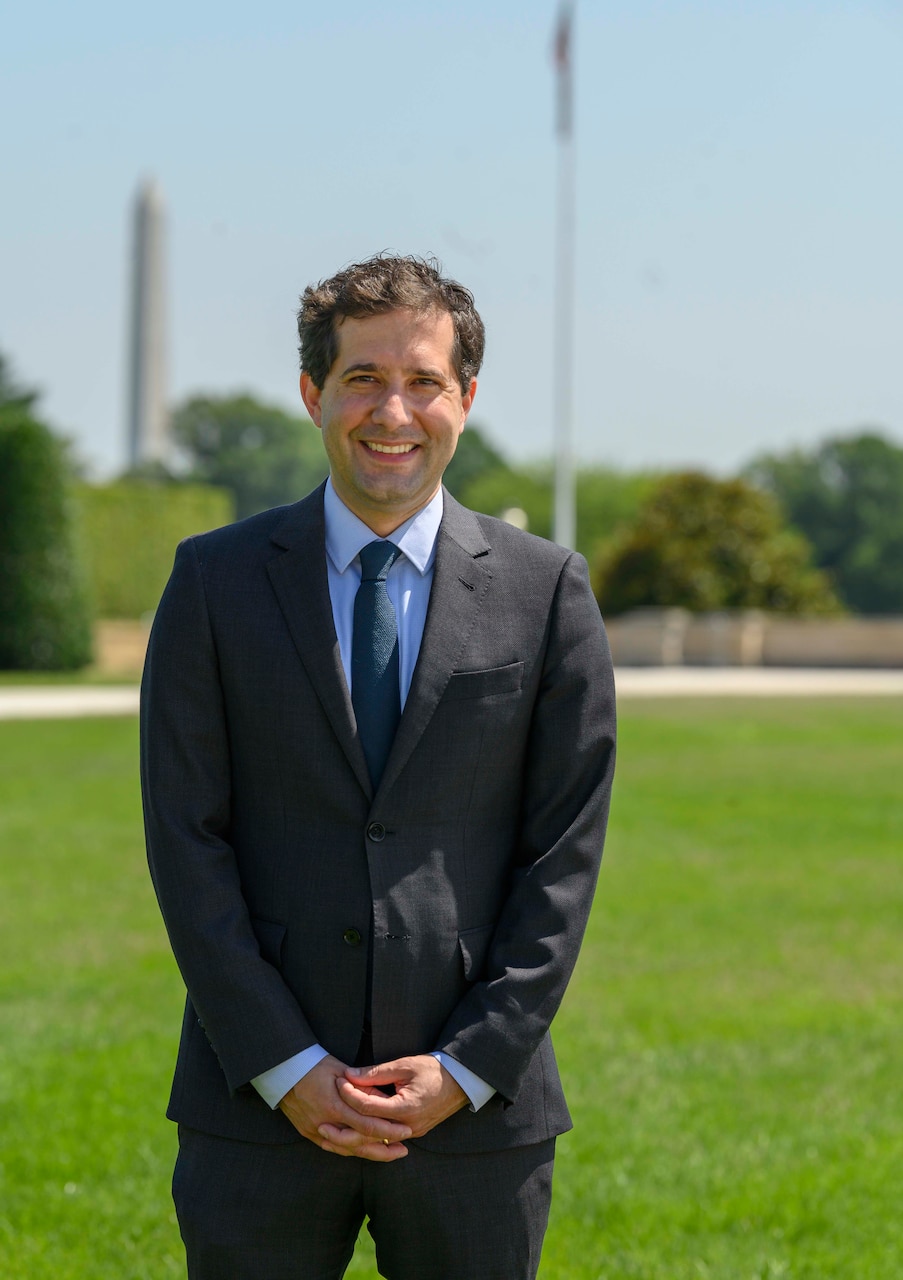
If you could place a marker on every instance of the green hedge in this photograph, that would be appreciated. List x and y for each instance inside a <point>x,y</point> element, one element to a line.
<point>45,622</point>
<point>130,531</point>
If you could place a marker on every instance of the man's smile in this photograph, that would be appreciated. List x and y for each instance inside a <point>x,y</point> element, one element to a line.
<point>389,448</point>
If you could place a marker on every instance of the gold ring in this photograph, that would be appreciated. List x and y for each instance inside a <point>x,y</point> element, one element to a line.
<point>385,1142</point>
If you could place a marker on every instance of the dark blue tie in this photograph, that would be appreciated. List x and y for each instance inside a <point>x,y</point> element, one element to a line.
<point>375,690</point>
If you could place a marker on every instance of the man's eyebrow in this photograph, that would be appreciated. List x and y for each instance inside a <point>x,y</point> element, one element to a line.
<point>370,366</point>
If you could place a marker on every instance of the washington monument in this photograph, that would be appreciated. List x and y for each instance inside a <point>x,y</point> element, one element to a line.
<point>147,415</point>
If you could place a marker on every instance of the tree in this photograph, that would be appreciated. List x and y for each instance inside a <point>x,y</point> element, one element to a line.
<point>607,501</point>
<point>12,395</point>
<point>474,457</point>
<point>706,544</point>
<point>45,621</point>
<point>846,496</point>
<point>262,454</point>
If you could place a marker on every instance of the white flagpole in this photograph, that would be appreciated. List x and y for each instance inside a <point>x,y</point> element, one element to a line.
<point>565,519</point>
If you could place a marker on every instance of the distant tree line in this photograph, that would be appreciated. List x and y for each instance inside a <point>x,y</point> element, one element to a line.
<point>809,531</point>
<point>265,457</point>
<point>817,531</point>
<point>846,497</point>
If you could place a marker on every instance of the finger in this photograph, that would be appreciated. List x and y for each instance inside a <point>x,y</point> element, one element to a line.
<point>371,1126</point>
<point>364,1103</point>
<point>352,1139</point>
<point>381,1074</point>
<point>383,1155</point>
<point>379,1128</point>
<point>346,1143</point>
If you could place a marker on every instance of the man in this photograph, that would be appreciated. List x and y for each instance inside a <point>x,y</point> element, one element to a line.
<point>378,744</point>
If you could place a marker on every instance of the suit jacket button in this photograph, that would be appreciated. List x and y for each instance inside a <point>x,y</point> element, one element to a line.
<point>376,831</point>
<point>352,937</point>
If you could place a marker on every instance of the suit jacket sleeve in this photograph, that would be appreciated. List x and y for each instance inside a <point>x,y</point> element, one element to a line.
<point>496,1029</point>
<point>250,1016</point>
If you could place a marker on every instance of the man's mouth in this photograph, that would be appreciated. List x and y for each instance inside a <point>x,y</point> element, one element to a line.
<point>389,448</point>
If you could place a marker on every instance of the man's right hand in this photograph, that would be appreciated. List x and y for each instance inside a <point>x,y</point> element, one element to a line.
<point>314,1101</point>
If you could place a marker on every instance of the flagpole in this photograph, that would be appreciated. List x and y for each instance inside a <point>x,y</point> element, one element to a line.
<point>565,516</point>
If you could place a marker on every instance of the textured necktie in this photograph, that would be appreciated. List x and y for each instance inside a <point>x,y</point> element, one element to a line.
<point>375,690</point>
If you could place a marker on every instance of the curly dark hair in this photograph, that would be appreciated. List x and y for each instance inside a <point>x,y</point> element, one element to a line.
<point>387,282</point>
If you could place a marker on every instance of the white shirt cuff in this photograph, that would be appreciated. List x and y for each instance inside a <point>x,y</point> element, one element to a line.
<point>477,1090</point>
<point>274,1084</point>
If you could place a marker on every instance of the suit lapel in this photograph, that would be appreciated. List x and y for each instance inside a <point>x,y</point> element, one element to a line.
<point>301,584</point>
<point>461,578</point>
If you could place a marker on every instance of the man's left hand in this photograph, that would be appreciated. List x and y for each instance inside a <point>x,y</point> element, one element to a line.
<point>425,1094</point>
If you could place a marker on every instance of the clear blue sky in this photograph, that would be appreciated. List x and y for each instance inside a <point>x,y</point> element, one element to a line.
<point>739,222</point>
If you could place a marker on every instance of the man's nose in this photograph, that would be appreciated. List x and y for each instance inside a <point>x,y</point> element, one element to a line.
<point>392,409</point>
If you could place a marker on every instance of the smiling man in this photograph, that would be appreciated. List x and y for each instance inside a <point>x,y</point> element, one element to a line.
<point>377,753</point>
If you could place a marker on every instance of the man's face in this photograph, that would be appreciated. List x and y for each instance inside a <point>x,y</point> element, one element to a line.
<point>391,411</point>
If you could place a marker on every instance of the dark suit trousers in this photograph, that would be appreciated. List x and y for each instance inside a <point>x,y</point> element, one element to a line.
<point>249,1211</point>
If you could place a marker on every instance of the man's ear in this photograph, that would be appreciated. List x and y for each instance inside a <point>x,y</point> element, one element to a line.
<point>467,400</point>
<point>311,395</point>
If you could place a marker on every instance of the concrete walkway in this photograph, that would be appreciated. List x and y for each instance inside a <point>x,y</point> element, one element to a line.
<point>66,702</point>
<point>55,702</point>
<point>764,682</point>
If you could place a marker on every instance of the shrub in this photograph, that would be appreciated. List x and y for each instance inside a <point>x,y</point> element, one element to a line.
<point>45,621</point>
<point>130,531</point>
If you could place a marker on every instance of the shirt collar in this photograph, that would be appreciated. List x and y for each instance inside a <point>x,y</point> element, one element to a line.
<point>346,533</point>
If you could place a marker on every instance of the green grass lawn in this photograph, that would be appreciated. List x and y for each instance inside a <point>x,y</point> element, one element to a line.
<point>731,1044</point>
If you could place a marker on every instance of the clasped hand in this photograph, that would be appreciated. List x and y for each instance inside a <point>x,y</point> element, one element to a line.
<point>345,1110</point>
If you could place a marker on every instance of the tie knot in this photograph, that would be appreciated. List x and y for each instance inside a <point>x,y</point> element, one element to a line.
<point>377,559</point>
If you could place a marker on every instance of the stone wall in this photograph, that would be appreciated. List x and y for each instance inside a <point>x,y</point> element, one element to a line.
<point>119,647</point>
<point>658,638</point>
<point>750,638</point>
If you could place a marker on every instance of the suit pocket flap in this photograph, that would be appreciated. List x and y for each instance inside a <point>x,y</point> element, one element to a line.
<point>270,935</point>
<point>483,684</point>
<point>474,944</point>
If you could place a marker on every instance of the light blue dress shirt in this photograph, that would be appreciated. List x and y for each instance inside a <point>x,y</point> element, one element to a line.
<point>408,586</point>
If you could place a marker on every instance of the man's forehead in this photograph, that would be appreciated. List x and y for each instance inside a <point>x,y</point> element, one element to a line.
<point>431,328</point>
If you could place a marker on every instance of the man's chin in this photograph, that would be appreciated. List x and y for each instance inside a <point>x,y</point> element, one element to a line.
<point>393,497</point>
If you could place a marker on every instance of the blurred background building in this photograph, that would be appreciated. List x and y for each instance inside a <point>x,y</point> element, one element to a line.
<point>148,415</point>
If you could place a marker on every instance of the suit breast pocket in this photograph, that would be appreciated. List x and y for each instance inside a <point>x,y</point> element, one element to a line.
<point>484,684</point>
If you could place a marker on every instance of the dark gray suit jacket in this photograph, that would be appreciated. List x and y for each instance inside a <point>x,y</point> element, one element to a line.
<point>473,865</point>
